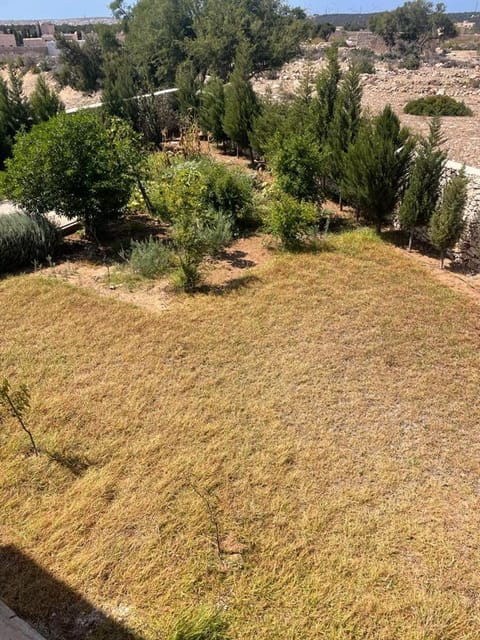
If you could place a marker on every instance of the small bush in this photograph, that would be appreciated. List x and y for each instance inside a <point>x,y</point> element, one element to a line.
<point>150,258</point>
<point>202,625</point>
<point>291,220</point>
<point>437,106</point>
<point>410,62</point>
<point>25,239</point>
<point>195,238</point>
<point>201,184</point>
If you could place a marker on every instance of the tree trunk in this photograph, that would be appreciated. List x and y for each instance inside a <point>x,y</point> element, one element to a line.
<point>250,152</point>
<point>442,259</point>
<point>146,199</point>
<point>378,227</point>
<point>340,201</point>
<point>410,239</point>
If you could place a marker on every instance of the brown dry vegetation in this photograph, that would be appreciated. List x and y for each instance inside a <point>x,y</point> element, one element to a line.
<point>329,405</point>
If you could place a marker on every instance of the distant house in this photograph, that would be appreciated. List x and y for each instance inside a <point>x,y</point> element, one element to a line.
<point>7,41</point>
<point>47,29</point>
<point>35,44</point>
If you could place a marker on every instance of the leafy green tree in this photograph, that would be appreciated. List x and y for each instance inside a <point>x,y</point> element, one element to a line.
<point>376,167</point>
<point>271,119</point>
<point>155,40</point>
<point>241,106</point>
<point>297,166</point>
<point>74,165</point>
<point>44,102</point>
<point>414,22</point>
<point>446,223</point>
<point>212,109</point>
<point>423,191</point>
<point>120,86</point>
<point>273,31</point>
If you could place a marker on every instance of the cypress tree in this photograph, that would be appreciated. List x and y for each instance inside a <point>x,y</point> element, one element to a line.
<point>44,102</point>
<point>327,89</point>
<point>423,191</point>
<point>188,85</point>
<point>345,124</point>
<point>446,223</point>
<point>212,109</point>
<point>241,106</point>
<point>376,167</point>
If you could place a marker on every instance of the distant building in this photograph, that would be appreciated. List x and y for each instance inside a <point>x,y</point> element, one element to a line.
<point>47,29</point>
<point>35,44</point>
<point>7,41</point>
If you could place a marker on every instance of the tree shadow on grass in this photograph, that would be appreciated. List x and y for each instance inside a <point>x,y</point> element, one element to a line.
<point>229,286</point>
<point>77,465</point>
<point>50,606</point>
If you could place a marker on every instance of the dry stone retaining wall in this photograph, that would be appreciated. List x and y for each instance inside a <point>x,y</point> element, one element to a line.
<point>467,252</point>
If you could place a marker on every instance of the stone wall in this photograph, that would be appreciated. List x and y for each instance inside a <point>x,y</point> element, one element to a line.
<point>467,252</point>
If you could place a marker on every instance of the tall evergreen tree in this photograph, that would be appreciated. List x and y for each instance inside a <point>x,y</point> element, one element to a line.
<point>446,223</point>
<point>44,102</point>
<point>241,106</point>
<point>327,88</point>
<point>376,167</point>
<point>423,191</point>
<point>188,85</point>
<point>343,130</point>
<point>212,109</point>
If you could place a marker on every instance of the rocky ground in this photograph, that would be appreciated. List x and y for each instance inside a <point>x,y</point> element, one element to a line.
<point>398,86</point>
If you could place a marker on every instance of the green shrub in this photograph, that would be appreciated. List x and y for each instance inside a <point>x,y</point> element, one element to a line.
<point>411,62</point>
<point>76,166</point>
<point>202,625</point>
<point>437,106</point>
<point>25,239</point>
<point>195,238</point>
<point>150,258</point>
<point>291,220</point>
<point>201,184</point>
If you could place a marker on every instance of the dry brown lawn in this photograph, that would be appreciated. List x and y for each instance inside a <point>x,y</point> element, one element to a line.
<point>328,406</point>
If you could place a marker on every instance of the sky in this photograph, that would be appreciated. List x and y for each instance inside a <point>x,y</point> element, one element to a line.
<point>37,9</point>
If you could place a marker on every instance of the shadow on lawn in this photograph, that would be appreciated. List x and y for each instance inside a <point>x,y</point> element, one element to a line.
<point>53,608</point>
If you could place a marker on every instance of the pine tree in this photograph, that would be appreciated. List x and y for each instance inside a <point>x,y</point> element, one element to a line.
<point>376,167</point>
<point>44,102</point>
<point>423,191</point>
<point>446,223</point>
<point>241,104</point>
<point>343,130</point>
<point>212,109</point>
<point>120,86</point>
<point>19,108</point>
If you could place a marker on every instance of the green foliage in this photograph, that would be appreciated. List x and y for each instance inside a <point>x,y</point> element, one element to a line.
<point>202,184</point>
<point>446,223</point>
<point>212,109</point>
<point>189,86</point>
<point>17,403</point>
<point>271,119</point>
<point>155,39</point>
<point>345,124</point>
<point>14,111</point>
<point>297,166</point>
<point>150,258</point>
<point>437,106</point>
<point>327,88</point>
<point>74,165</point>
<point>80,66</point>
<point>272,31</point>
<point>241,106</point>
<point>44,102</point>
<point>414,21</point>
<point>423,191</point>
<point>204,624</point>
<point>376,167</point>
<point>290,220</point>
<point>196,235</point>
<point>25,240</point>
